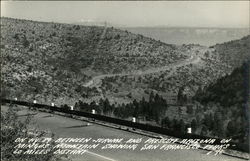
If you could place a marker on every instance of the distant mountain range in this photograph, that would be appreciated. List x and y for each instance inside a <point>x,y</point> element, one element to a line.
<point>188,35</point>
<point>93,23</point>
<point>179,35</point>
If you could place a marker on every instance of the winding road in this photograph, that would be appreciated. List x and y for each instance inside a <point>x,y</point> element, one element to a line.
<point>193,59</point>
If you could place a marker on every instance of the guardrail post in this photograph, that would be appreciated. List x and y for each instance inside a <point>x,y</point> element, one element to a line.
<point>51,110</point>
<point>93,112</point>
<point>71,115</point>
<point>133,120</point>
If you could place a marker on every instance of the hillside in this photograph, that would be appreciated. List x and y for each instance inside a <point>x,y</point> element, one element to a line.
<point>233,52</point>
<point>66,63</point>
<point>55,60</point>
<point>230,90</point>
<point>230,94</point>
<point>208,65</point>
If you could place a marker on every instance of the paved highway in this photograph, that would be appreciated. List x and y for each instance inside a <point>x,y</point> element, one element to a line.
<point>68,127</point>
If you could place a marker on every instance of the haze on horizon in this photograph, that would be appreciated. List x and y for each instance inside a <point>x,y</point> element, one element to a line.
<point>221,14</point>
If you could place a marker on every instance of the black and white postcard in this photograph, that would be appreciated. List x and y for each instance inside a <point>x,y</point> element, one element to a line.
<point>125,80</point>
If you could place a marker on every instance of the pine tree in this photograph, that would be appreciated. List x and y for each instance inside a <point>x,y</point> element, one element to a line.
<point>204,131</point>
<point>26,43</point>
<point>165,122</point>
<point>182,126</point>
<point>136,108</point>
<point>218,124</point>
<point>194,125</point>
<point>231,126</point>
<point>190,109</point>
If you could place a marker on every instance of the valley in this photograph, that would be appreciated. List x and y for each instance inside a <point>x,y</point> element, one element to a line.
<point>124,75</point>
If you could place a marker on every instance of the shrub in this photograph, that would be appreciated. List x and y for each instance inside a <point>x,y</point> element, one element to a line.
<point>13,128</point>
<point>26,43</point>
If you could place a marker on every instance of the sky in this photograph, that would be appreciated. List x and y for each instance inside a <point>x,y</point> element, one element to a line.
<point>229,14</point>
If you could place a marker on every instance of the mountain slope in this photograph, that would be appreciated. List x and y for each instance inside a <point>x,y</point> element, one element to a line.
<point>230,96</point>
<point>66,63</point>
<point>230,90</point>
<point>55,60</point>
<point>234,52</point>
<point>210,64</point>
